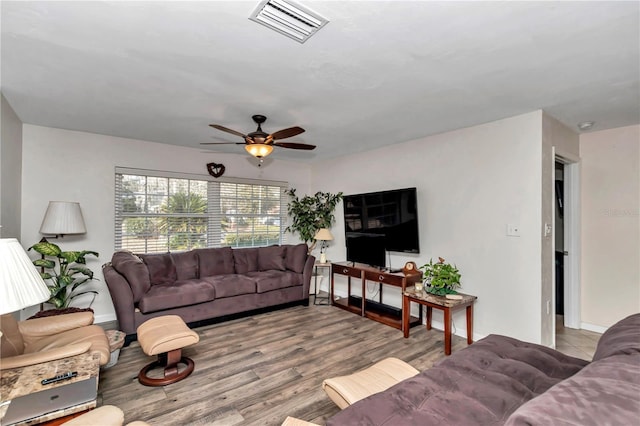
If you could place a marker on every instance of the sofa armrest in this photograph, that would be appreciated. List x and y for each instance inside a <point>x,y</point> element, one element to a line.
<point>306,276</point>
<point>46,326</point>
<point>44,356</point>
<point>122,298</point>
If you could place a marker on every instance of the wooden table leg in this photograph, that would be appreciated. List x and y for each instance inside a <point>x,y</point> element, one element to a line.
<point>429,312</point>
<point>331,290</point>
<point>469,324</point>
<point>406,314</point>
<point>447,331</point>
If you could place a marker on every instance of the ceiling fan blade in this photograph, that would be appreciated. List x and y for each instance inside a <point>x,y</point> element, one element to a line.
<point>294,145</point>
<point>287,133</point>
<point>225,129</point>
<point>222,143</point>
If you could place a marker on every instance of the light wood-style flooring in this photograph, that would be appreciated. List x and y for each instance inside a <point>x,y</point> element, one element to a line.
<point>261,369</point>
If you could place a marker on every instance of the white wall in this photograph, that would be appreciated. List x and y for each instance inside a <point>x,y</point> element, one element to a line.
<point>76,166</point>
<point>471,183</point>
<point>610,225</point>
<point>10,171</point>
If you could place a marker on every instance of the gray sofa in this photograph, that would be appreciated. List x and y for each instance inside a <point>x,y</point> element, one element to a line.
<point>499,380</point>
<point>206,284</point>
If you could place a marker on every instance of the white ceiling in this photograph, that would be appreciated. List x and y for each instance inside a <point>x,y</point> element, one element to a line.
<point>379,73</point>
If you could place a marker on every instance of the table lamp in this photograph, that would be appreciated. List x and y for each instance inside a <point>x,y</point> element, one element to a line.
<point>21,285</point>
<point>323,235</point>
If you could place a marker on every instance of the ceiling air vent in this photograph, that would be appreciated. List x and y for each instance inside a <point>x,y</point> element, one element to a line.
<point>288,18</point>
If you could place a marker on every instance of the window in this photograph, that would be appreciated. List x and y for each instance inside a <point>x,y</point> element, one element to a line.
<point>163,211</point>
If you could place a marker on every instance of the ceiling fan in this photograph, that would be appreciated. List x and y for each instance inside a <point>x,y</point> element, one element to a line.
<point>260,144</point>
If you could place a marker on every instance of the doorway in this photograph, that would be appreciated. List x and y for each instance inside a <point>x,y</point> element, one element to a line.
<point>567,243</point>
<point>560,252</point>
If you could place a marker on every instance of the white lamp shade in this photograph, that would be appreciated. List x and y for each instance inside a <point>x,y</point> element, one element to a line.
<point>323,235</point>
<point>63,218</point>
<point>20,283</point>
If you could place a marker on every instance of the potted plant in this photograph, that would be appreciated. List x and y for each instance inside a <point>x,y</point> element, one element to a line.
<point>311,213</point>
<point>67,275</point>
<point>440,278</point>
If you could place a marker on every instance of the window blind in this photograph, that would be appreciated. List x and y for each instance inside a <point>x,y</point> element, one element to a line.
<point>158,211</point>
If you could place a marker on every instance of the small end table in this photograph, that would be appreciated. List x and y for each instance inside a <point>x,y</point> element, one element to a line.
<point>438,302</point>
<point>324,300</point>
<point>22,381</point>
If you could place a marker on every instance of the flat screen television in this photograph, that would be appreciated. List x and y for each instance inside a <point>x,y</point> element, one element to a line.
<point>392,214</point>
<point>366,248</point>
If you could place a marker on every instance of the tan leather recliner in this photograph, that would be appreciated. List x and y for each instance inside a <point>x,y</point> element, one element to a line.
<point>46,339</point>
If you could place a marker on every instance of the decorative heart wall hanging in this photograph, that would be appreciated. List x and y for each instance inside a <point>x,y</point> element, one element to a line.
<point>215,170</point>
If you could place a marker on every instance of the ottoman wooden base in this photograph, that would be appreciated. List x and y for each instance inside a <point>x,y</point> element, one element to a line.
<point>166,336</point>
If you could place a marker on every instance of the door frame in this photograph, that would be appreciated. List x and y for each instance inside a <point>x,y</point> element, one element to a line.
<point>571,216</point>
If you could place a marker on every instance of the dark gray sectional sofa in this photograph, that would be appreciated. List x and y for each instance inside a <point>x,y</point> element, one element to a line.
<point>204,284</point>
<point>499,380</point>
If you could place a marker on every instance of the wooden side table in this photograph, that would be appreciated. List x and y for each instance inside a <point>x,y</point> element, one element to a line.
<point>439,302</point>
<point>22,381</point>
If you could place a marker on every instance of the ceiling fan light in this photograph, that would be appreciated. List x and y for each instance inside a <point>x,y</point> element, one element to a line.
<point>259,150</point>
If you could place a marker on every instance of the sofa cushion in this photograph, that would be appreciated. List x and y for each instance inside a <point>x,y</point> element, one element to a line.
<point>296,257</point>
<point>186,263</point>
<point>271,258</point>
<point>245,260</point>
<point>231,285</point>
<point>134,270</point>
<point>621,338</point>
<point>605,392</point>
<point>175,295</point>
<point>215,261</point>
<point>490,379</point>
<point>274,280</point>
<point>162,270</point>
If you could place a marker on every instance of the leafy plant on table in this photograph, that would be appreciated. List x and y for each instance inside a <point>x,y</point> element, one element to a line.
<point>64,272</point>
<point>442,278</point>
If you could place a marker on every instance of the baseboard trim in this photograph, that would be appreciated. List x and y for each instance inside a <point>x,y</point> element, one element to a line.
<point>592,327</point>
<point>97,319</point>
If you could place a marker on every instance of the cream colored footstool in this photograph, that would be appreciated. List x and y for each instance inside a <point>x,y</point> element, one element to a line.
<point>166,336</point>
<point>346,390</point>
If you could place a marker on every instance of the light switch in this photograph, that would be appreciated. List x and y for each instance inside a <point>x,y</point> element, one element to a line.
<point>513,230</point>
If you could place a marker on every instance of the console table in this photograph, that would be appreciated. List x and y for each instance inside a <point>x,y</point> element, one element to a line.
<point>446,305</point>
<point>375,310</point>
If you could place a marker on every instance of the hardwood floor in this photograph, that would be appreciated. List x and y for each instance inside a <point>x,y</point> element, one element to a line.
<point>259,370</point>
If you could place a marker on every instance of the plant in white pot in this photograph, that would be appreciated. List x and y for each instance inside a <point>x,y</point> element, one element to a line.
<point>440,278</point>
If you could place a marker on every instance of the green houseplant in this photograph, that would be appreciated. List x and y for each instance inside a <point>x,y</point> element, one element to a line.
<point>64,270</point>
<point>441,278</point>
<point>311,213</point>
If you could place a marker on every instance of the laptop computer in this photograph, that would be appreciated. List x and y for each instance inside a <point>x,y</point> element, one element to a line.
<point>49,400</point>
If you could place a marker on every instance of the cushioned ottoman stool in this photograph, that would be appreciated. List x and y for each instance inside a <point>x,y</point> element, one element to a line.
<point>346,390</point>
<point>166,336</point>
